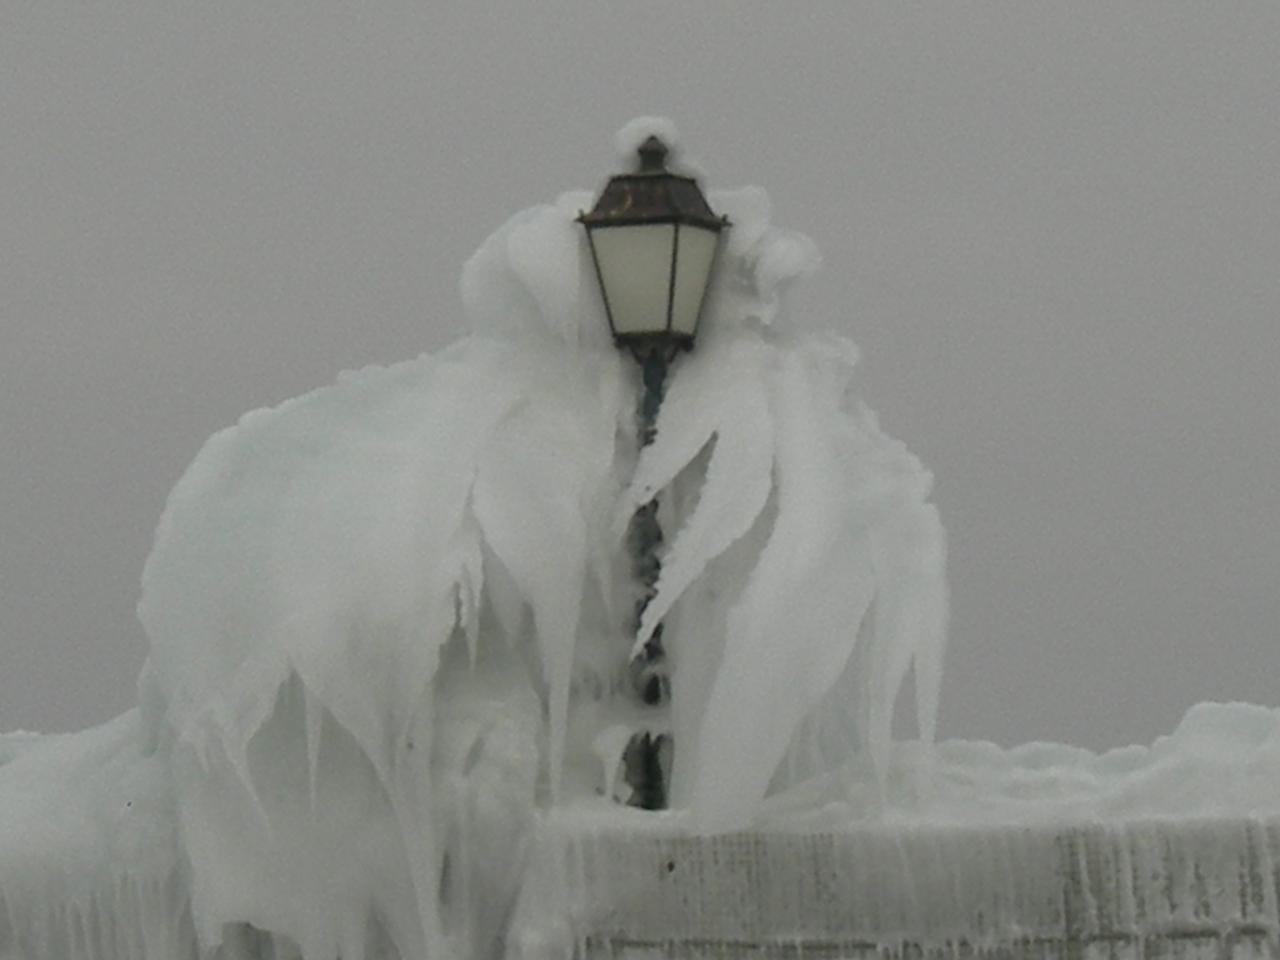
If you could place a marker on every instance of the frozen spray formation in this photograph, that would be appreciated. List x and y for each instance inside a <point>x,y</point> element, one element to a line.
<point>397,607</point>
<point>389,627</point>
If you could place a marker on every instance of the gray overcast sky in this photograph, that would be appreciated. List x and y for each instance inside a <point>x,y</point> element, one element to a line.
<point>1053,228</point>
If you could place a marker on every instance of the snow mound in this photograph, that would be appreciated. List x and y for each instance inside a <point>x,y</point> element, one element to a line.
<point>1222,761</point>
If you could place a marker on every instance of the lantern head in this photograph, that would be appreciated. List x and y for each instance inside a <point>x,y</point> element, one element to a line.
<point>653,240</point>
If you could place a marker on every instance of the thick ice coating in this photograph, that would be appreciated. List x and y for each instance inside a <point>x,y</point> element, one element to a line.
<point>390,623</point>
<point>336,581</point>
<point>390,618</point>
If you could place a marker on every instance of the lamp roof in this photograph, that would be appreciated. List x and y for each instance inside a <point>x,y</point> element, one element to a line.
<point>652,194</point>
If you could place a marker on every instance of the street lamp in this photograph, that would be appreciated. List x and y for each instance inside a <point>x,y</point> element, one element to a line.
<point>653,241</point>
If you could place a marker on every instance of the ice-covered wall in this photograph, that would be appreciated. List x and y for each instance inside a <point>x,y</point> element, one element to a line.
<point>90,860</point>
<point>1042,850</point>
<point>1180,888</point>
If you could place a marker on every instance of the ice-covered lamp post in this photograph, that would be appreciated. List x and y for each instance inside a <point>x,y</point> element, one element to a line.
<point>653,240</point>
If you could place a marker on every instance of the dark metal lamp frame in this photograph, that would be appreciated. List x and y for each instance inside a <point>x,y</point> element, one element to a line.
<point>651,196</point>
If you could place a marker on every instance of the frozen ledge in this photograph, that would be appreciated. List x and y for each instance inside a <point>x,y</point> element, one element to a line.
<point>1142,889</point>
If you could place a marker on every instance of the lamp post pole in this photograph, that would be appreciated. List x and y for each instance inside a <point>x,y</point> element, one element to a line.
<point>644,536</point>
<point>653,241</point>
<point>646,764</point>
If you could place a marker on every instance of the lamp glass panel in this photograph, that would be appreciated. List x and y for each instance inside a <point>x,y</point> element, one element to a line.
<point>635,271</point>
<point>693,269</point>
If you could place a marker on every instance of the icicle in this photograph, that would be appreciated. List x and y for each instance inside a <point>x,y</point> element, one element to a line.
<point>608,747</point>
<point>737,485</point>
<point>521,516</point>
<point>411,798</point>
<point>235,753</point>
<point>910,623</point>
<point>701,394</point>
<point>796,623</point>
<point>463,557</point>
<point>931,646</point>
<point>313,719</point>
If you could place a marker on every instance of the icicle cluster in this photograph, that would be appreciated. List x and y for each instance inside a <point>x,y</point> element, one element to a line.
<point>388,619</point>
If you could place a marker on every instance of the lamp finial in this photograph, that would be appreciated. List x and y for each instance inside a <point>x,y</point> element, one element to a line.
<point>653,155</point>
